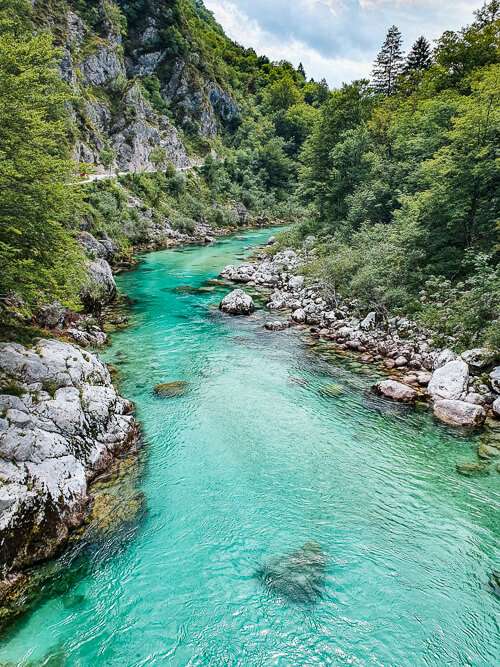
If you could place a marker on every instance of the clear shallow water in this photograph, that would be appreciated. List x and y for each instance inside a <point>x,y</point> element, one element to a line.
<point>252,463</point>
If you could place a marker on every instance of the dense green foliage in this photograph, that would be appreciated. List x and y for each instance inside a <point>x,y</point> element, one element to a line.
<point>39,258</point>
<point>405,186</point>
<point>398,176</point>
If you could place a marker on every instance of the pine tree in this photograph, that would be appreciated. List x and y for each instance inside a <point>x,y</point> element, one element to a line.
<point>389,63</point>
<point>301,70</point>
<point>419,58</point>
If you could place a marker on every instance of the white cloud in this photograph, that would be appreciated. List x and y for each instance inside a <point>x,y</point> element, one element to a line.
<point>248,32</point>
<point>335,39</point>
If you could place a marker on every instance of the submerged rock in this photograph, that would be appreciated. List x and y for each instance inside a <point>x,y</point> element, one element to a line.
<point>473,469</point>
<point>397,391</point>
<point>171,389</point>
<point>459,413</point>
<point>298,576</point>
<point>494,583</point>
<point>276,325</point>
<point>237,302</point>
<point>332,390</point>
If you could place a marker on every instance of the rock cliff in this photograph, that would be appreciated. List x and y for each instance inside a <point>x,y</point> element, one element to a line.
<point>61,424</point>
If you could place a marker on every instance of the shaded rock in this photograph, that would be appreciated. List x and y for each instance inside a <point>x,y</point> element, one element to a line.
<point>369,322</point>
<point>449,381</point>
<point>496,407</point>
<point>473,469</point>
<point>495,379</point>
<point>299,315</point>
<point>94,248</point>
<point>459,413</point>
<point>237,302</point>
<point>171,389</point>
<point>52,315</point>
<point>397,391</point>
<point>494,583</point>
<point>100,288</point>
<point>299,576</point>
<point>479,357</point>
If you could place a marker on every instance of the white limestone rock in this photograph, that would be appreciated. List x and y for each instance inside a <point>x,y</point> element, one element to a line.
<point>64,425</point>
<point>237,302</point>
<point>459,413</point>
<point>449,381</point>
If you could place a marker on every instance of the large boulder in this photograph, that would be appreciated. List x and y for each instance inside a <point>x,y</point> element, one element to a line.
<point>449,381</point>
<point>397,391</point>
<point>443,357</point>
<point>478,357</point>
<point>459,413</point>
<point>237,302</point>
<point>61,423</point>
<point>100,288</point>
<point>495,379</point>
<point>103,248</point>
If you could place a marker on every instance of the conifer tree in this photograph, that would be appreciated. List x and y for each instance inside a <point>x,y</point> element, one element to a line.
<point>419,58</point>
<point>389,63</point>
<point>301,70</point>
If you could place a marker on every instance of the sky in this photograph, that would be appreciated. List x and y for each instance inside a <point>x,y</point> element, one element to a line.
<point>335,39</point>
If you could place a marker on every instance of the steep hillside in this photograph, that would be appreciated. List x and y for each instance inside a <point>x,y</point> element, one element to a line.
<point>203,133</point>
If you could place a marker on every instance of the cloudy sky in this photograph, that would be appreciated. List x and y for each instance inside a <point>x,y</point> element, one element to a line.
<point>335,39</point>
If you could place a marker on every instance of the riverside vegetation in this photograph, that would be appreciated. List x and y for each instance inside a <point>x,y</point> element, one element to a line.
<point>391,185</point>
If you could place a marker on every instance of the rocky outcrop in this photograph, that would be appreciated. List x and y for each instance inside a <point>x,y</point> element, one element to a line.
<point>397,391</point>
<point>449,381</point>
<point>103,248</point>
<point>237,302</point>
<point>61,423</point>
<point>100,288</point>
<point>459,413</point>
<point>103,67</point>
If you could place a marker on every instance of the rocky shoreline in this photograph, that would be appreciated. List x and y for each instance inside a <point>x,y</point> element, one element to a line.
<point>62,424</point>
<point>462,390</point>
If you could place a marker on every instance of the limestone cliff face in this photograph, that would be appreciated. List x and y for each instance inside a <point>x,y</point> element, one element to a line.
<point>113,59</point>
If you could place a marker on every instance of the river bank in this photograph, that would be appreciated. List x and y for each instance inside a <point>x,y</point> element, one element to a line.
<point>464,390</point>
<point>260,461</point>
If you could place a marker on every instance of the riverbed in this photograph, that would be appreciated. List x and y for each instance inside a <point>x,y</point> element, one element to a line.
<point>274,445</point>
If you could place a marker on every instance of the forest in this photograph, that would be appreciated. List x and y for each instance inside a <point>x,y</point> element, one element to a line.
<point>395,177</point>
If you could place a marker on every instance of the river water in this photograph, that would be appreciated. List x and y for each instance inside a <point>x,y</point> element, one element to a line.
<point>253,462</point>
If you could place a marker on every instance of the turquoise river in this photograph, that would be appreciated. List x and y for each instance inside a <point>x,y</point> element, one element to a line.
<point>253,462</point>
